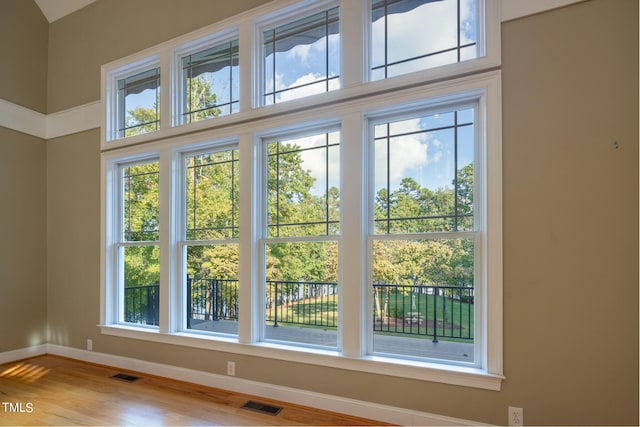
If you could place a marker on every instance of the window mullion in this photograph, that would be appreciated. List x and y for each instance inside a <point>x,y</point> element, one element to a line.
<point>352,35</point>
<point>248,73</point>
<point>250,203</point>
<point>352,276</point>
<point>167,242</point>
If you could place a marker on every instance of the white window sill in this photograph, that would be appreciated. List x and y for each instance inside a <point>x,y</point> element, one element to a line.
<point>425,371</point>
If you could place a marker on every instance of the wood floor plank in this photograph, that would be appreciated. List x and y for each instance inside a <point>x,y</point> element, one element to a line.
<point>50,390</point>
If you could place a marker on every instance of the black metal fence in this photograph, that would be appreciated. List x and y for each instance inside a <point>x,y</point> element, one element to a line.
<point>302,303</point>
<point>421,310</point>
<point>433,311</point>
<point>211,299</point>
<point>141,304</point>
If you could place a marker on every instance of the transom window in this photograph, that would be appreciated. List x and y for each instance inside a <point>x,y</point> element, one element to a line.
<point>302,57</point>
<point>412,35</point>
<point>139,103</point>
<point>211,82</point>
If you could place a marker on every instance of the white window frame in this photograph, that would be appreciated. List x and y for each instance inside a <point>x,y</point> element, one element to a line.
<point>190,48</point>
<point>110,82</point>
<point>113,310</point>
<point>298,131</point>
<point>485,43</point>
<point>181,239</point>
<point>472,99</point>
<point>281,17</point>
<point>351,106</point>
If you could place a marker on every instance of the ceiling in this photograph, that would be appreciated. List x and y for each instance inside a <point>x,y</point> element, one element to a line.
<point>56,9</point>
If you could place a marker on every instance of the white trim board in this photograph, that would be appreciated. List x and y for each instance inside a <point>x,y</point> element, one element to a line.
<point>21,119</point>
<point>67,122</point>
<point>353,407</point>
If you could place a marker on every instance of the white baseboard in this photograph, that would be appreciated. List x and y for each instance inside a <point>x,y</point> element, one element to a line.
<point>23,353</point>
<point>353,407</point>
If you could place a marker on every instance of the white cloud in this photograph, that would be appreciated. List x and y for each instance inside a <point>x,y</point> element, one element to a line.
<point>306,89</point>
<point>418,155</point>
<point>428,28</point>
<point>315,161</point>
<point>300,53</point>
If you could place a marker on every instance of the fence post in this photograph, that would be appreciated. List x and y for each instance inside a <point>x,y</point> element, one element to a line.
<point>189,309</point>
<point>275,305</point>
<point>215,300</point>
<point>436,292</point>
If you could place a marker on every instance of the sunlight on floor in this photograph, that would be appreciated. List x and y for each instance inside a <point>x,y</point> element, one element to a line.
<point>26,372</point>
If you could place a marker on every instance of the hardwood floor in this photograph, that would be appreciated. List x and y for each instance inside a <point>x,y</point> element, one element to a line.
<point>50,390</point>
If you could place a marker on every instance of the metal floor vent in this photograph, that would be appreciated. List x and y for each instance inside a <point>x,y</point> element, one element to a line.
<point>125,377</point>
<point>252,405</point>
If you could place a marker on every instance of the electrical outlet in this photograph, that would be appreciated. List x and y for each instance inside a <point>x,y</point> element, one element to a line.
<point>231,368</point>
<point>90,344</point>
<point>515,416</point>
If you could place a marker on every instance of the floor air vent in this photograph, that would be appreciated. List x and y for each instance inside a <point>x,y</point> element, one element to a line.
<point>252,405</point>
<point>125,377</point>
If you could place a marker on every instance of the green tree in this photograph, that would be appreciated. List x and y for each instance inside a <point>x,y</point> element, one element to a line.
<point>201,99</point>
<point>421,210</point>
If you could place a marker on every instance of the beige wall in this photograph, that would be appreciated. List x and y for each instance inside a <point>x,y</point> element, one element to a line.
<point>73,230</point>
<point>570,123</point>
<point>570,147</point>
<point>23,43</point>
<point>23,280</point>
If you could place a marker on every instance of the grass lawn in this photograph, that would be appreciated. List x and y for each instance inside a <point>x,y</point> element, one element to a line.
<point>419,315</point>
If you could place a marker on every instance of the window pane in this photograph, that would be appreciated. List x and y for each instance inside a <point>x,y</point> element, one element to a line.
<point>302,58</point>
<point>212,195</point>
<point>412,35</point>
<point>141,212</point>
<point>139,103</point>
<point>302,292</point>
<point>210,81</point>
<point>212,288</point>
<point>423,170</point>
<point>303,186</point>
<point>423,294</point>
<point>141,284</point>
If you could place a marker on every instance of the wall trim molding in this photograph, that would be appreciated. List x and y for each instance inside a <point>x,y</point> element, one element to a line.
<point>353,407</point>
<point>49,126</point>
<point>74,120</point>
<point>22,119</point>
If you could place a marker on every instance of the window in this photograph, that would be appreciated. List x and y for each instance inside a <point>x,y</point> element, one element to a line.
<point>424,235</point>
<point>302,57</point>
<point>359,229</point>
<point>138,247</point>
<point>139,103</point>
<point>302,185</point>
<point>210,82</point>
<point>211,244</point>
<point>412,35</point>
